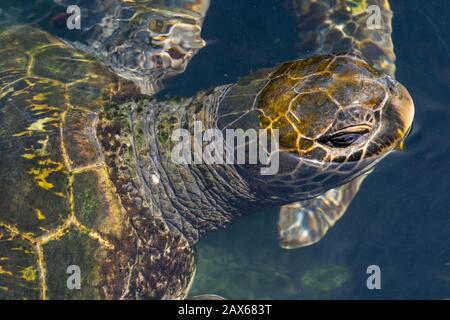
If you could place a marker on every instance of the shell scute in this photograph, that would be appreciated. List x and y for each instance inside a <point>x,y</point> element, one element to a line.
<point>18,268</point>
<point>48,155</point>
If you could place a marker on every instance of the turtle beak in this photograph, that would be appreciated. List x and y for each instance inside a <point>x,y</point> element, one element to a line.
<point>401,144</point>
<point>404,105</point>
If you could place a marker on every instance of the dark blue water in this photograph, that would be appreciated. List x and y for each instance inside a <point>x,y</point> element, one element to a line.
<point>400,219</point>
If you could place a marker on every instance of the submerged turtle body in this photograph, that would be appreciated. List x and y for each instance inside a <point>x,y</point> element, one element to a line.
<point>58,207</point>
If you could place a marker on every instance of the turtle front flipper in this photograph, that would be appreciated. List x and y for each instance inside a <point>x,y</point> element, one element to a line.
<point>143,41</point>
<point>304,223</point>
<point>326,27</point>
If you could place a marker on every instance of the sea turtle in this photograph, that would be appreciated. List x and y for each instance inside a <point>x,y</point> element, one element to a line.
<point>90,188</point>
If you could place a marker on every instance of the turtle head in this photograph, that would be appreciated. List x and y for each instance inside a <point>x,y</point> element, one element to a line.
<point>336,117</point>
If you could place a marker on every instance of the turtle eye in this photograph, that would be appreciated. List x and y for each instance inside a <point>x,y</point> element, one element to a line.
<point>345,137</point>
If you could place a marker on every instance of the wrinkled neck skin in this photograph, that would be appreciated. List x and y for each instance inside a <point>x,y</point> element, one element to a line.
<point>193,199</point>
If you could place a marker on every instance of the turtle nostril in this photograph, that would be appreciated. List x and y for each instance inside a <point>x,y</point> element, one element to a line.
<point>392,85</point>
